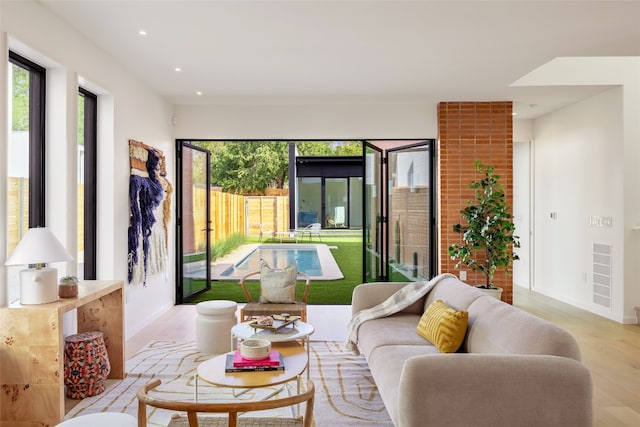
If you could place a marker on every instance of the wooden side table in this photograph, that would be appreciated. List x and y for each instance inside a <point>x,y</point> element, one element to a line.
<point>32,345</point>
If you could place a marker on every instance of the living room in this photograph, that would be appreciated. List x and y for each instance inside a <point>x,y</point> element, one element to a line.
<point>582,159</point>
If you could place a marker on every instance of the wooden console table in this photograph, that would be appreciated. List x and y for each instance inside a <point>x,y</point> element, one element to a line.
<point>32,350</point>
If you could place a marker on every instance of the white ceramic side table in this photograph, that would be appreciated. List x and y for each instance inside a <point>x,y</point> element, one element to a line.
<point>215,319</point>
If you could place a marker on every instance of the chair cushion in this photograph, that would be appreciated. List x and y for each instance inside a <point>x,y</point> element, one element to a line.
<point>278,285</point>
<point>443,326</point>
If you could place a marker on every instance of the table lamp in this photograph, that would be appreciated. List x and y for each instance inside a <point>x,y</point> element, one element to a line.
<point>39,246</point>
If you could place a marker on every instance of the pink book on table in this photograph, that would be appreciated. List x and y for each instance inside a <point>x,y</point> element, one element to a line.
<point>272,360</point>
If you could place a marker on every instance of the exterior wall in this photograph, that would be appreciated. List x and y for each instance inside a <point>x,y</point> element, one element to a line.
<point>470,131</point>
<point>410,207</point>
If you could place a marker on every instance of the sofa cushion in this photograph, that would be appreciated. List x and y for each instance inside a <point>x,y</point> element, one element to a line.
<point>443,326</point>
<point>454,293</point>
<point>496,327</point>
<point>386,364</point>
<point>391,330</point>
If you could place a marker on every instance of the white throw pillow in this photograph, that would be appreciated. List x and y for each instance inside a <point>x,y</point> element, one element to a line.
<point>278,285</point>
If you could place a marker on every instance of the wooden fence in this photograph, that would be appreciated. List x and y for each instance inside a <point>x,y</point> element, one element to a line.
<point>230,214</point>
<point>235,214</point>
<point>17,211</point>
<point>269,212</point>
<point>18,201</point>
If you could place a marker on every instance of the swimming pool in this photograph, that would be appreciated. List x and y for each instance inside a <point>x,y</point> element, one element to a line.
<point>316,261</point>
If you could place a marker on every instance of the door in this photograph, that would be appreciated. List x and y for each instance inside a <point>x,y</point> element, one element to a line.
<point>410,213</point>
<point>374,263</point>
<point>399,201</point>
<point>336,202</point>
<point>193,222</point>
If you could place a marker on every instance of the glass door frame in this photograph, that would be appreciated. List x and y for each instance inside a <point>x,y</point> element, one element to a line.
<point>383,171</point>
<point>368,259</point>
<point>430,144</point>
<point>181,298</point>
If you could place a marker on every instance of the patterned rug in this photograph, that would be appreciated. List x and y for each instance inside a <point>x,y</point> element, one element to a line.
<point>345,391</point>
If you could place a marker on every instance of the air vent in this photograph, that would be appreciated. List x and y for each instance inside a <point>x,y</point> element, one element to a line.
<point>602,274</point>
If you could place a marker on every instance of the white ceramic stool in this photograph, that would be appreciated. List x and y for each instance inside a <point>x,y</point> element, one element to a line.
<point>213,325</point>
<point>101,419</point>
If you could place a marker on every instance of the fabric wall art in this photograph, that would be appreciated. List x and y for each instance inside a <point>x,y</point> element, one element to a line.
<point>149,212</point>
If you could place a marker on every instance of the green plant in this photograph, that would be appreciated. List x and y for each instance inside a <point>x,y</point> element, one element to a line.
<point>488,238</point>
<point>69,280</point>
<point>226,246</point>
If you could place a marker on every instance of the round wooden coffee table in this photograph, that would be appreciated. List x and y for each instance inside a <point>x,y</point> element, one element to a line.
<point>295,359</point>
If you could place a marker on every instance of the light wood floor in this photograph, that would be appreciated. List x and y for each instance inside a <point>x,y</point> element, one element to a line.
<point>610,350</point>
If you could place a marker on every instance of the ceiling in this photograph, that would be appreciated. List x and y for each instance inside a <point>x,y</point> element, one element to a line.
<point>351,52</point>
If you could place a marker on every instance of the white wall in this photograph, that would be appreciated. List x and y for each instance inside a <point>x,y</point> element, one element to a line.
<point>128,109</point>
<point>579,154</point>
<point>355,121</point>
<point>522,212</point>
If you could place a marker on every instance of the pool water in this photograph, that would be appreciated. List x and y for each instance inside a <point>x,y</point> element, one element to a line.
<point>278,257</point>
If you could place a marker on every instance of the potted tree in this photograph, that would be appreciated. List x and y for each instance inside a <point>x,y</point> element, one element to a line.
<point>488,236</point>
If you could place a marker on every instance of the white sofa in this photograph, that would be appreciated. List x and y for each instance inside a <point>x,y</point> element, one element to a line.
<point>513,368</point>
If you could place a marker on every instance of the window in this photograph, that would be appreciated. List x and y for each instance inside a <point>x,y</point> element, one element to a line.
<point>87,184</point>
<point>26,153</point>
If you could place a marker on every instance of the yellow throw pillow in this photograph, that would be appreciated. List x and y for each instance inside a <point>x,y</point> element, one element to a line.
<point>443,326</point>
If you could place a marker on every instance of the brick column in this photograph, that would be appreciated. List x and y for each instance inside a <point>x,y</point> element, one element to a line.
<point>470,131</point>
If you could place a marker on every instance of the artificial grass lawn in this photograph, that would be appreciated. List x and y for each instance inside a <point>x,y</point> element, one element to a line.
<point>348,255</point>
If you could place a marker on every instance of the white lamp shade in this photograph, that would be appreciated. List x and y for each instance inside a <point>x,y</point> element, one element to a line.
<point>38,246</point>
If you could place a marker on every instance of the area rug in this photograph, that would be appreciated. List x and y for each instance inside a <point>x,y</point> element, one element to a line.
<point>345,391</point>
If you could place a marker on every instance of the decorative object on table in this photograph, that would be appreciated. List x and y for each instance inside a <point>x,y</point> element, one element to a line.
<point>255,349</point>
<point>236,363</point>
<point>273,359</point>
<point>149,212</point>
<point>68,287</point>
<point>277,292</point>
<point>38,285</point>
<point>86,364</point>
<point>488,237</point>
<point>274,323</point>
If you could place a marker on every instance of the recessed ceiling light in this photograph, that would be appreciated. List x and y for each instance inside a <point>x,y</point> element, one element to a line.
<point>198,93</point>
<point>177,69</point>
<point>142,32</point>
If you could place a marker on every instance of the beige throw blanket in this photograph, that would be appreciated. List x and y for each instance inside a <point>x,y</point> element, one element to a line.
<point>397,302</point>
